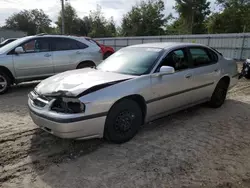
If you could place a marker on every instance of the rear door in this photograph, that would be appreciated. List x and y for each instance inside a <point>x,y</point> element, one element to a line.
<point>67,53</point>
<point>206,71</point>
<point>36,61</point>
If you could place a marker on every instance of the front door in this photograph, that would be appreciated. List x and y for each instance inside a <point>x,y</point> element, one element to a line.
<point>172,91</point>
<point>36,61</point>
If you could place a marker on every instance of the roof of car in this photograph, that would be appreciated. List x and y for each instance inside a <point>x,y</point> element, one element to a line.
<point>165,45</point>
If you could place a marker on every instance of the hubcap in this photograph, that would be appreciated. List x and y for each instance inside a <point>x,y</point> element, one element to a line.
<point>3,83</point>
<point>123,122</point>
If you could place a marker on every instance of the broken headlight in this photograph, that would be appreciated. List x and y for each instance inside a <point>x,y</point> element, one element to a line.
<point>68,105</point>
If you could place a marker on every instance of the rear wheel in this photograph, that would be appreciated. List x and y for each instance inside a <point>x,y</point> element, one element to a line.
<point>85,65</point>
<point>123,121</point>
<point>5,82</point>
<point>219,94</point>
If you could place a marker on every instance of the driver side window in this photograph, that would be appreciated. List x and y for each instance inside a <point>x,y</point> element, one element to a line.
<point>37,45</point>
<point>177,59</point>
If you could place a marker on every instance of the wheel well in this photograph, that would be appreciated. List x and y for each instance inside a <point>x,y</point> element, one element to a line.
<point>140,101</point>
<point>86,62</point>
<point>225,79</point>
<point>108,52</point>
<point>7,71</point>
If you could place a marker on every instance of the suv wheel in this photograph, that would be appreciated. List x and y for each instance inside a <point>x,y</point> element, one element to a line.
<point>85,65</point>
<point>4,82</point>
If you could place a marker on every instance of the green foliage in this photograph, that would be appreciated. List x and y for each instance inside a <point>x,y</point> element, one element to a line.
<point>235,17</point>
<point>30,21</point>
<point>192,14</point>
<point>145,19</point>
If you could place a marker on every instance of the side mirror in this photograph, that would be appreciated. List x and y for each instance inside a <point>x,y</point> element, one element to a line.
<point>19,50</point>
<point>167,70</point>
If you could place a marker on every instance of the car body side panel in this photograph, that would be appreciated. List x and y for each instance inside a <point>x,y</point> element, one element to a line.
<point>205,75</point>
<point>7,62</point>
<point>33,65</point>
<point>169,92</point>
<point>102,100</point>
<point>65,60</point>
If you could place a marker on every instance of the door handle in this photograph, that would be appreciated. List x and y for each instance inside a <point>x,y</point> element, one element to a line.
<point>188,76</point>
<point>78,52</point>
<point>216,70</point>
<point>47,55</point>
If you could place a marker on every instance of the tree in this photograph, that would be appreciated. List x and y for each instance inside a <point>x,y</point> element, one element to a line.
<point>86,26</point>
<point>30,21</point>
<point>146,19</point>
<point>192,14</point>
<point>234,18</point>
<point>71,20</point>
<point>111,28</point>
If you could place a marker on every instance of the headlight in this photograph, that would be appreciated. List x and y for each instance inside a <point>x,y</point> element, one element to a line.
<point>68,105</point>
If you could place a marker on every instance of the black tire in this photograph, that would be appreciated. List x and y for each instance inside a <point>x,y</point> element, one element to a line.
<point>247,76</point>
<point>106,55</point>
<point>123,121</point>
<point>219,94</point>
<point>85,65</point>
<point>4,78</point>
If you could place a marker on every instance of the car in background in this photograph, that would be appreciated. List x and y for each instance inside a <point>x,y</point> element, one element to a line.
<point>135,85</point>
<point>7,41</point>
<point>106,50</point>
<point>37,57</point>
<point>245,72</point>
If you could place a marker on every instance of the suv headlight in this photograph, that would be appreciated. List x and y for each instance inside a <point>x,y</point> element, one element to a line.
<point>68,105</point>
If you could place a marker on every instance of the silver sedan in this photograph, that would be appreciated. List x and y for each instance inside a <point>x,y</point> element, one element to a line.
<point>135,85</point>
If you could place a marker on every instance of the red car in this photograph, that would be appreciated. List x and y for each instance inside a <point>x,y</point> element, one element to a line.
<point>106,50</point>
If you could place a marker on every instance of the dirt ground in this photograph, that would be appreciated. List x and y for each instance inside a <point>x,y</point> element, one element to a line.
<point>199,147</point>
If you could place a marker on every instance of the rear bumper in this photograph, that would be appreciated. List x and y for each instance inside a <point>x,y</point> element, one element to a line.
<point>91,127</point>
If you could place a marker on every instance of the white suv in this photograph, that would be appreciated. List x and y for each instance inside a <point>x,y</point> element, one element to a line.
<point>37,57</point>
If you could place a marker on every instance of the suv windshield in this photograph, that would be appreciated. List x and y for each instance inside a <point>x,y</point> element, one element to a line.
<point>13,44</point>
<point>134,61</point>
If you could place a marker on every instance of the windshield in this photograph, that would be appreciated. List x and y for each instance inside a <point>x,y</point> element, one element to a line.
<point>11,45</point>
<point>134,61</point>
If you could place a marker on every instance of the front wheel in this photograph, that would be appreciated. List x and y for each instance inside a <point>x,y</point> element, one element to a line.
<point>4,82</point>
<point>123,121</point>
<point>219,94</point>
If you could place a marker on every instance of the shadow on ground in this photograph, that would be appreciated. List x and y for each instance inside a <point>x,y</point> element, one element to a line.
<point>197,147</point>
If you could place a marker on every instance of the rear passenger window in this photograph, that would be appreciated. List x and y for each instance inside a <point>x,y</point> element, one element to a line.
<point>200,57</point>
<point>81,45</point>
<point>213,55</point>
<point>61,44</point>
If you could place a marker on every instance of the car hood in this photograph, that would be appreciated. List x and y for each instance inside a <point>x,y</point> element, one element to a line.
<point>76,82</point>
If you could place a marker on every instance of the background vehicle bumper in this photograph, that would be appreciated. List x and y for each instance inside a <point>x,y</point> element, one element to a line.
<point>85,129</point>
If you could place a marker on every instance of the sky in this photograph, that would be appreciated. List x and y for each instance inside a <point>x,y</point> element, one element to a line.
<point>115,8</point>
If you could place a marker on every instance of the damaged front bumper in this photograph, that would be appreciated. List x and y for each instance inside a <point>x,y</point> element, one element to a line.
<point>66,125</point>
